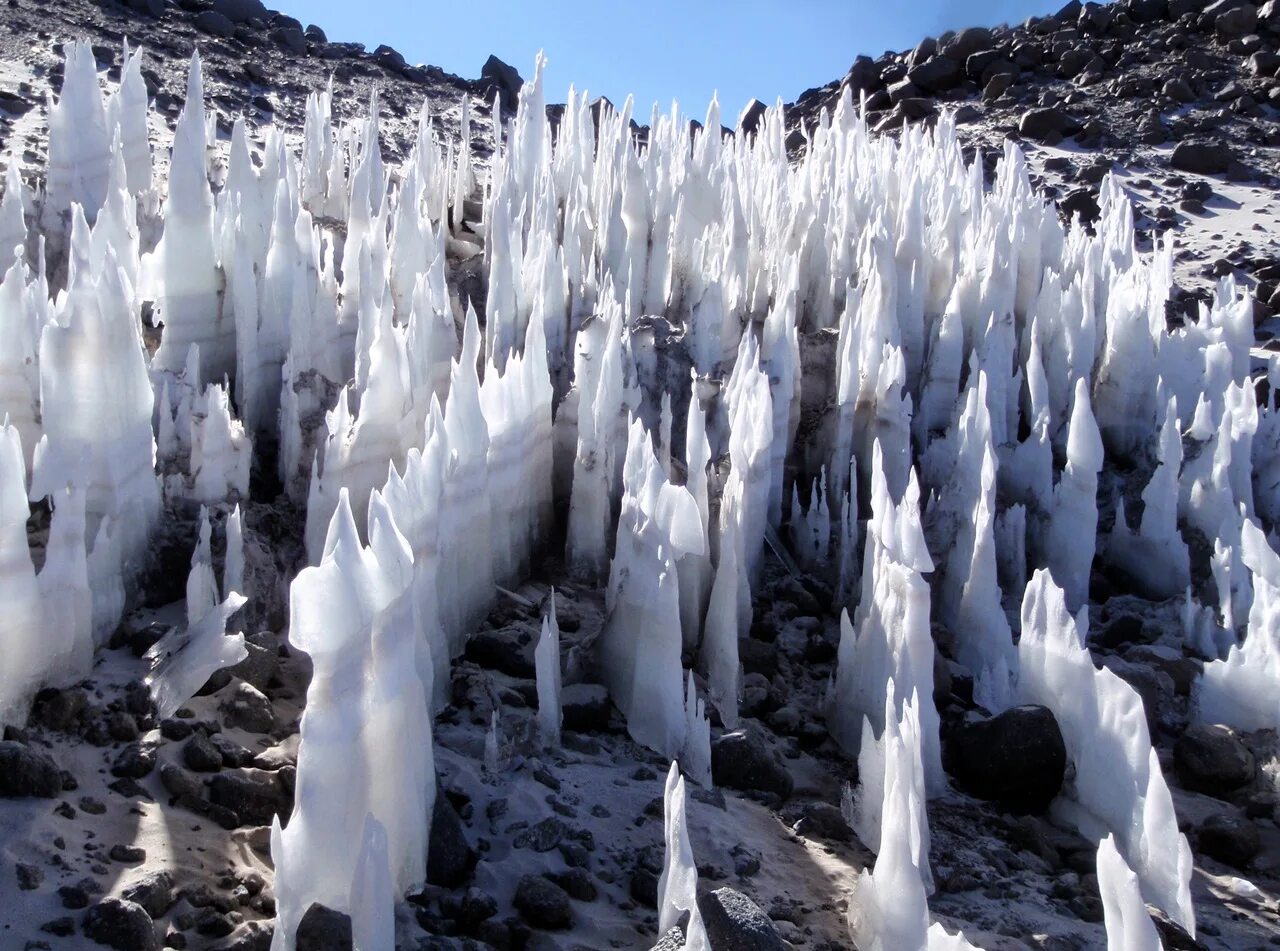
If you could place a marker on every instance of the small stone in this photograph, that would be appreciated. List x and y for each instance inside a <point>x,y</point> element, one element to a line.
<point>29,876</point>
<point>249,709</point>
<point>543,903</point>
<point>127,854</point>
<point>476,906</point>
<point>74,896</point>
<point>92,806</point>
<point>135,761</point>
<point>543,836</point>
<point>62,927</point>
<point>200,754</point>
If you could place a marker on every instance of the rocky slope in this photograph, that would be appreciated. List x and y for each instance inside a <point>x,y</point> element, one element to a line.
<point>122,830</point>
<point>1180,97</point>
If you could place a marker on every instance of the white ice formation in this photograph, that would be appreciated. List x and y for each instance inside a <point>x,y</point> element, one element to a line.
<point>972,366</point>
<point>889,642</point>
<point>1118,786</point>
<point>546,657</point>
<point>1240,690</point>
<point>184,659</point>
<point>678,884</point>
<point>1129,927</point>
<point>365,745</point>
<point>641,643</point>
<point>888,909</point>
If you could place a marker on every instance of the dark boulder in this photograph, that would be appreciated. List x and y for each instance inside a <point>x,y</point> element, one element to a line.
<point>256,797</point>
<point>863,76</point>
<point>1204,158</point>
<point>735,923</point>
<point>323,929</point>
<point>1179,90</point>
<point>821,820</point>
<point>1230,839</point>
<point>1236,21</point>
<point>1047,124</point>
<point>25,772</point>
<point>1147,11</point>
<point>1264,63</point>
<point>450,858</point>
<point>742,760</point>
<point>507,650</point>
<point>672,940</point>
<point>390,59</point>
<point>965,43</point>
<point>240,11</point>
<point>585,707</point>
<point>214,23</point>
<point>61,710</point>
<point>121,924</point>
<point>1082,202</point>
<point>937,74</point>
<point>1017,758</point>
<point>505,78</point>
<point>751,115</point>
<point>154,892</point>
<point>152,8</point>
<point>1212,759</point>
<point>199,754</point>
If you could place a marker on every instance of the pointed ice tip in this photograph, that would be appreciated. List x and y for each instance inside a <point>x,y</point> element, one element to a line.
<point>195,81</point>
<point>673,773</point>
<point>471,335</point>
<point>342,535</point>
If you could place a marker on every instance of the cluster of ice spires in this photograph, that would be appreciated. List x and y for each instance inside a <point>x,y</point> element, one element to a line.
<point>642,295</point>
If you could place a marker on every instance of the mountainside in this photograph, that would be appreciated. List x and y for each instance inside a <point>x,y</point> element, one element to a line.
<point>1179,98</point>
<point>422,528</point>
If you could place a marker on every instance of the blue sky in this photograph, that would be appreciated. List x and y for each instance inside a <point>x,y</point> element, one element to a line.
<point>659,49</point>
